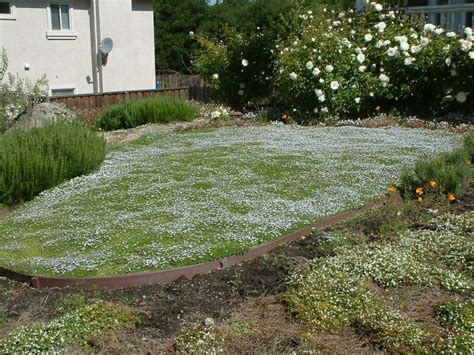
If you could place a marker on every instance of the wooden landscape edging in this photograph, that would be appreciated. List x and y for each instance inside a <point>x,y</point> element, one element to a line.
<point>149,278</point>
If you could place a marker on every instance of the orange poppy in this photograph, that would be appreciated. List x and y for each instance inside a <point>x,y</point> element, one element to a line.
<point>420,191</point>
<point>392,189</point>
<point>419,199</point>
<point>433,183</point>
<point>451,197</point>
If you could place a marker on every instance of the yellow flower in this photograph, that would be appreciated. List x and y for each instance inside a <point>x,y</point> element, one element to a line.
<point>419,191</point>
<point>468,162</point>
<point>451,197</point>
<point>419,199</point>
<point>392,189</point>
<point>433,183</point>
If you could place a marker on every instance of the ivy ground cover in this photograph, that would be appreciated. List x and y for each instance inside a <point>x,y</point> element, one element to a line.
<point>178,199</point>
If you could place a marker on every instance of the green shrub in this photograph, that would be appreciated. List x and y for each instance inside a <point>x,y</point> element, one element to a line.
<point>36,160</point>
<point>457,315</point>
<point>352,64</point>
<point>131,114</point>
<point>446,174</point>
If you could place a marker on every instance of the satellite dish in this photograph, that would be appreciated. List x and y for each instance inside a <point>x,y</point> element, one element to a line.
<point>106,45</point>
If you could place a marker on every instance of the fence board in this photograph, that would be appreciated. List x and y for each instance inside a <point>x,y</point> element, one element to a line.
<point>90,102</point>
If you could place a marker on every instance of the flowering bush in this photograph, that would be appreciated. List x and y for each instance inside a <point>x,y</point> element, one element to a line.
<point>359,63</point>
<point>239,71</point>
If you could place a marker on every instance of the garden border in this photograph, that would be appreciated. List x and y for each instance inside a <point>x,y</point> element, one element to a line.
<point>156,277</point>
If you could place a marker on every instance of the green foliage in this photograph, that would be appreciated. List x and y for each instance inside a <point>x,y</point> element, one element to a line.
<point>36,160</point>
<point>74,329</point>
<point>445,174</point>
<point>457,315</point>
<point>351,64</point>
<point>17,95</point>
<point>337,291</point>
<point>131,114</point>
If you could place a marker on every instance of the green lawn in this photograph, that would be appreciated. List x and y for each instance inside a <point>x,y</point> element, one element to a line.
<point>178,199</point>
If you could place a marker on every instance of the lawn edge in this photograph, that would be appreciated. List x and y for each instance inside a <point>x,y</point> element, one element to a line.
<point>169,275</point>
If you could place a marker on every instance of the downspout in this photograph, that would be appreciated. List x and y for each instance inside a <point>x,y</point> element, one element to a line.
<point>93,46</point>
<point>99,40</point>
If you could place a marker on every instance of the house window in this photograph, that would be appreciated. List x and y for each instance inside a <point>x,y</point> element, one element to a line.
<point>60,17</point>
<point>5,8</point>
<point>62,92</point>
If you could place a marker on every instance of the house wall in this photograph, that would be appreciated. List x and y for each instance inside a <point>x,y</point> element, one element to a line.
<point>131,64</point>
<point>68,62</point>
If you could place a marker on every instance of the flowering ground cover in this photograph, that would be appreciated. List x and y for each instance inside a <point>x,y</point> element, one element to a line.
<point>178,199</point>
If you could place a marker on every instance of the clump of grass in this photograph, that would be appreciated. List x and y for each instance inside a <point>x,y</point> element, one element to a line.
<point>74,329</point>
<point>131,114</point>
<point>335,293</point>
<point>36,160</point>
<point>446,174</point>
<point>199,339</point>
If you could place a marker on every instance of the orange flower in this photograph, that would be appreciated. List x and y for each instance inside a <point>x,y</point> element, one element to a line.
<point>392,189</point>
<point>433,183</point>
<point>419,199</point>
<point>378,109</point>
<point>419,191</point>
<point>451,197</point>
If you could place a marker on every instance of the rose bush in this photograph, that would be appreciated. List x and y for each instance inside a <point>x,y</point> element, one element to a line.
<point>356,64</point>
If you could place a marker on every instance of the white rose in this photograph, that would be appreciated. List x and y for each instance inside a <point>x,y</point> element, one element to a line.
<point>362,68</point>
<point>466,45</point>
<point>381,26</point>
<point>408,61</point>
<point>357,100</point>
<point>468,31</point>
<point>360,58</point>
<point>309,65</point>
<point>324,109</point>
<point>461,96</point>
<point>368,37</point>
<point>215,76</point>
<point>293,76</point>
<point>429,27</point>
<point>245,62</point>
<point>316,72</point>
<point>438,31</point>
<point>329,68</point>
<point>471,55</point>
<point>404,46</point>
<point>451,34</point>
<point>392,52</point>
<point>378,7</point>
<point>334,85</point>
<point>384,78</point>
<point>241,92</point>
<point>318,92</point>
<point>321,98</point>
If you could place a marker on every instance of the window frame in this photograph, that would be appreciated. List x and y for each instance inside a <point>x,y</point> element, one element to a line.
<point>63,88</point>
<point>70,33</point>
<point>12,14</point>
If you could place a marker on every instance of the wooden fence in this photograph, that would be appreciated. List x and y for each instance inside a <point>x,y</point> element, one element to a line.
<point>91,102</point>
<point>175,80</point>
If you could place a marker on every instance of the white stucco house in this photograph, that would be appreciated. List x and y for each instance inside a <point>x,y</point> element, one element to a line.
<point>450,14</point>
<point>61,38</point>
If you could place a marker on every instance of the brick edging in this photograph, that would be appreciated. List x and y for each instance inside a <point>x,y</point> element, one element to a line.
<point>156,277</point>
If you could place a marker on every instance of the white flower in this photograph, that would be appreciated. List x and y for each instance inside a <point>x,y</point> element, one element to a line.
<point>466,45</point>
<point>448,61</point>
<point>429,27</point>
<point>379,44</point>
<point>392,52</point>
<point>424,41</point>
<point>360,58</point>
<point>242,85</point>
<point>318,92</point>
<point>471,55</point>
<point>191,33</point>
<point>404,46</point>
<point>408,61</point>
<point>384,78</point>
<point>415,49</point>
<point>401,39</point>
<point>309,65</point>
<point>321,80</point>
<point>357,100</point>
<point>368,37</point>
<point>321,98</point>
<point>378,7</point>
<point>215,76</point>
<point>468,31</point>
<point>438,31</point>
<point>245,62</point>
<point>324,109</point>
<point>316,72</point>
<point>362,68</point>
<point>461,96</point>
<point>334,85</point>
<point>381,26</point>
<point>329,68</point>
<point>241,92</point>
<point>451,34</point>
<point>293,76</point>
<point>315,110</point>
